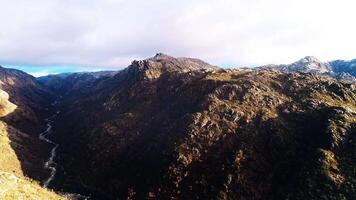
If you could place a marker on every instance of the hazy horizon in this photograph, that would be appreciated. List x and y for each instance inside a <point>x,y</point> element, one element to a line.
<point>37,71</point>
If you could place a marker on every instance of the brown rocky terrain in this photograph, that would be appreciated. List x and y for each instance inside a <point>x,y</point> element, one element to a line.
<point>179,128</point>
<point>162,130</point>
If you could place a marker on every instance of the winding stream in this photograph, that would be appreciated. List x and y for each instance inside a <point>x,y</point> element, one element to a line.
<point>50,164</point>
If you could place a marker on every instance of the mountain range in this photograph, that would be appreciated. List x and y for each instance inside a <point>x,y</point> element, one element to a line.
<point>180,128</point>
<point>339,69</point>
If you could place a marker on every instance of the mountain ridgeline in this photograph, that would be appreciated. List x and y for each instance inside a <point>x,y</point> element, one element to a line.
<point>339,69</point>
<point>180,128</point>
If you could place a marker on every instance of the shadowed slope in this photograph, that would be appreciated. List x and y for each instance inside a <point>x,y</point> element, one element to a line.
<point>13,181</point>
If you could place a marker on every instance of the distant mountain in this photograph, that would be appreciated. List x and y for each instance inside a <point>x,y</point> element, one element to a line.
<point>344,67</point>
<point>78,82</point>
<point>65,83</point>
<point>338,69</point>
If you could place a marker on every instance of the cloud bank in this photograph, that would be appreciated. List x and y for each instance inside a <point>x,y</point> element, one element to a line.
<point>111,33</point>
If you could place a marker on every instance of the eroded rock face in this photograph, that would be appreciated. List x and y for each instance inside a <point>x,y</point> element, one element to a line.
<point>161,130</point>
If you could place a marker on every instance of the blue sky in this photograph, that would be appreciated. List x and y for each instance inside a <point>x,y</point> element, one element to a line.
<point>54,69</point>
<point>52,36</point>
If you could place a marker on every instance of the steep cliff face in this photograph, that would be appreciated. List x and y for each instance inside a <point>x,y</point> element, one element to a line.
<point>159,129</point>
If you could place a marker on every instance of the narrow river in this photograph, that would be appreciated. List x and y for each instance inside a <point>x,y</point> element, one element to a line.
<point>50,164</point>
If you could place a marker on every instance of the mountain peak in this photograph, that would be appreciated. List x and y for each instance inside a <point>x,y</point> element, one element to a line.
<point>160,56</point>
<point>153,67</point>
<point>309,59</point>
<point>309,64</point>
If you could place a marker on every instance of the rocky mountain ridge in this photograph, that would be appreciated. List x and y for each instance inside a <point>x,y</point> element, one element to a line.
<point>338,69</point>
<point>160,130</point>
<point>179,128</point>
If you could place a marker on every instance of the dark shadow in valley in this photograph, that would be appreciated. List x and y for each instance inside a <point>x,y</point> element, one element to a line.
<point>23,131</point>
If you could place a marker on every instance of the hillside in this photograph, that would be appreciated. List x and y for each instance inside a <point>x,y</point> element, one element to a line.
<point>23,102</point>
<point>14,184</point>
<point>159,129</point>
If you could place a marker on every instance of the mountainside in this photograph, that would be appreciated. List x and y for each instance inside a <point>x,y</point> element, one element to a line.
<point>338,69</point>
<point>30,102</point>
<point>161,129</point>
<point>31,98</point>
<point>21,154</point>
<point>180,128</point>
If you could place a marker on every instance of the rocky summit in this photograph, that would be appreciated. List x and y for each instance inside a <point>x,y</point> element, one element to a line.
<point>180,128</point>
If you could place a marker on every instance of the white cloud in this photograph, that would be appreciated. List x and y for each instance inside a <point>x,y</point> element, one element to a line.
<point>38,74</point>
<point>114,32</point>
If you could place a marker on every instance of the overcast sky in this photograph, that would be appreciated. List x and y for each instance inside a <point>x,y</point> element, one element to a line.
<point>68,35</point>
